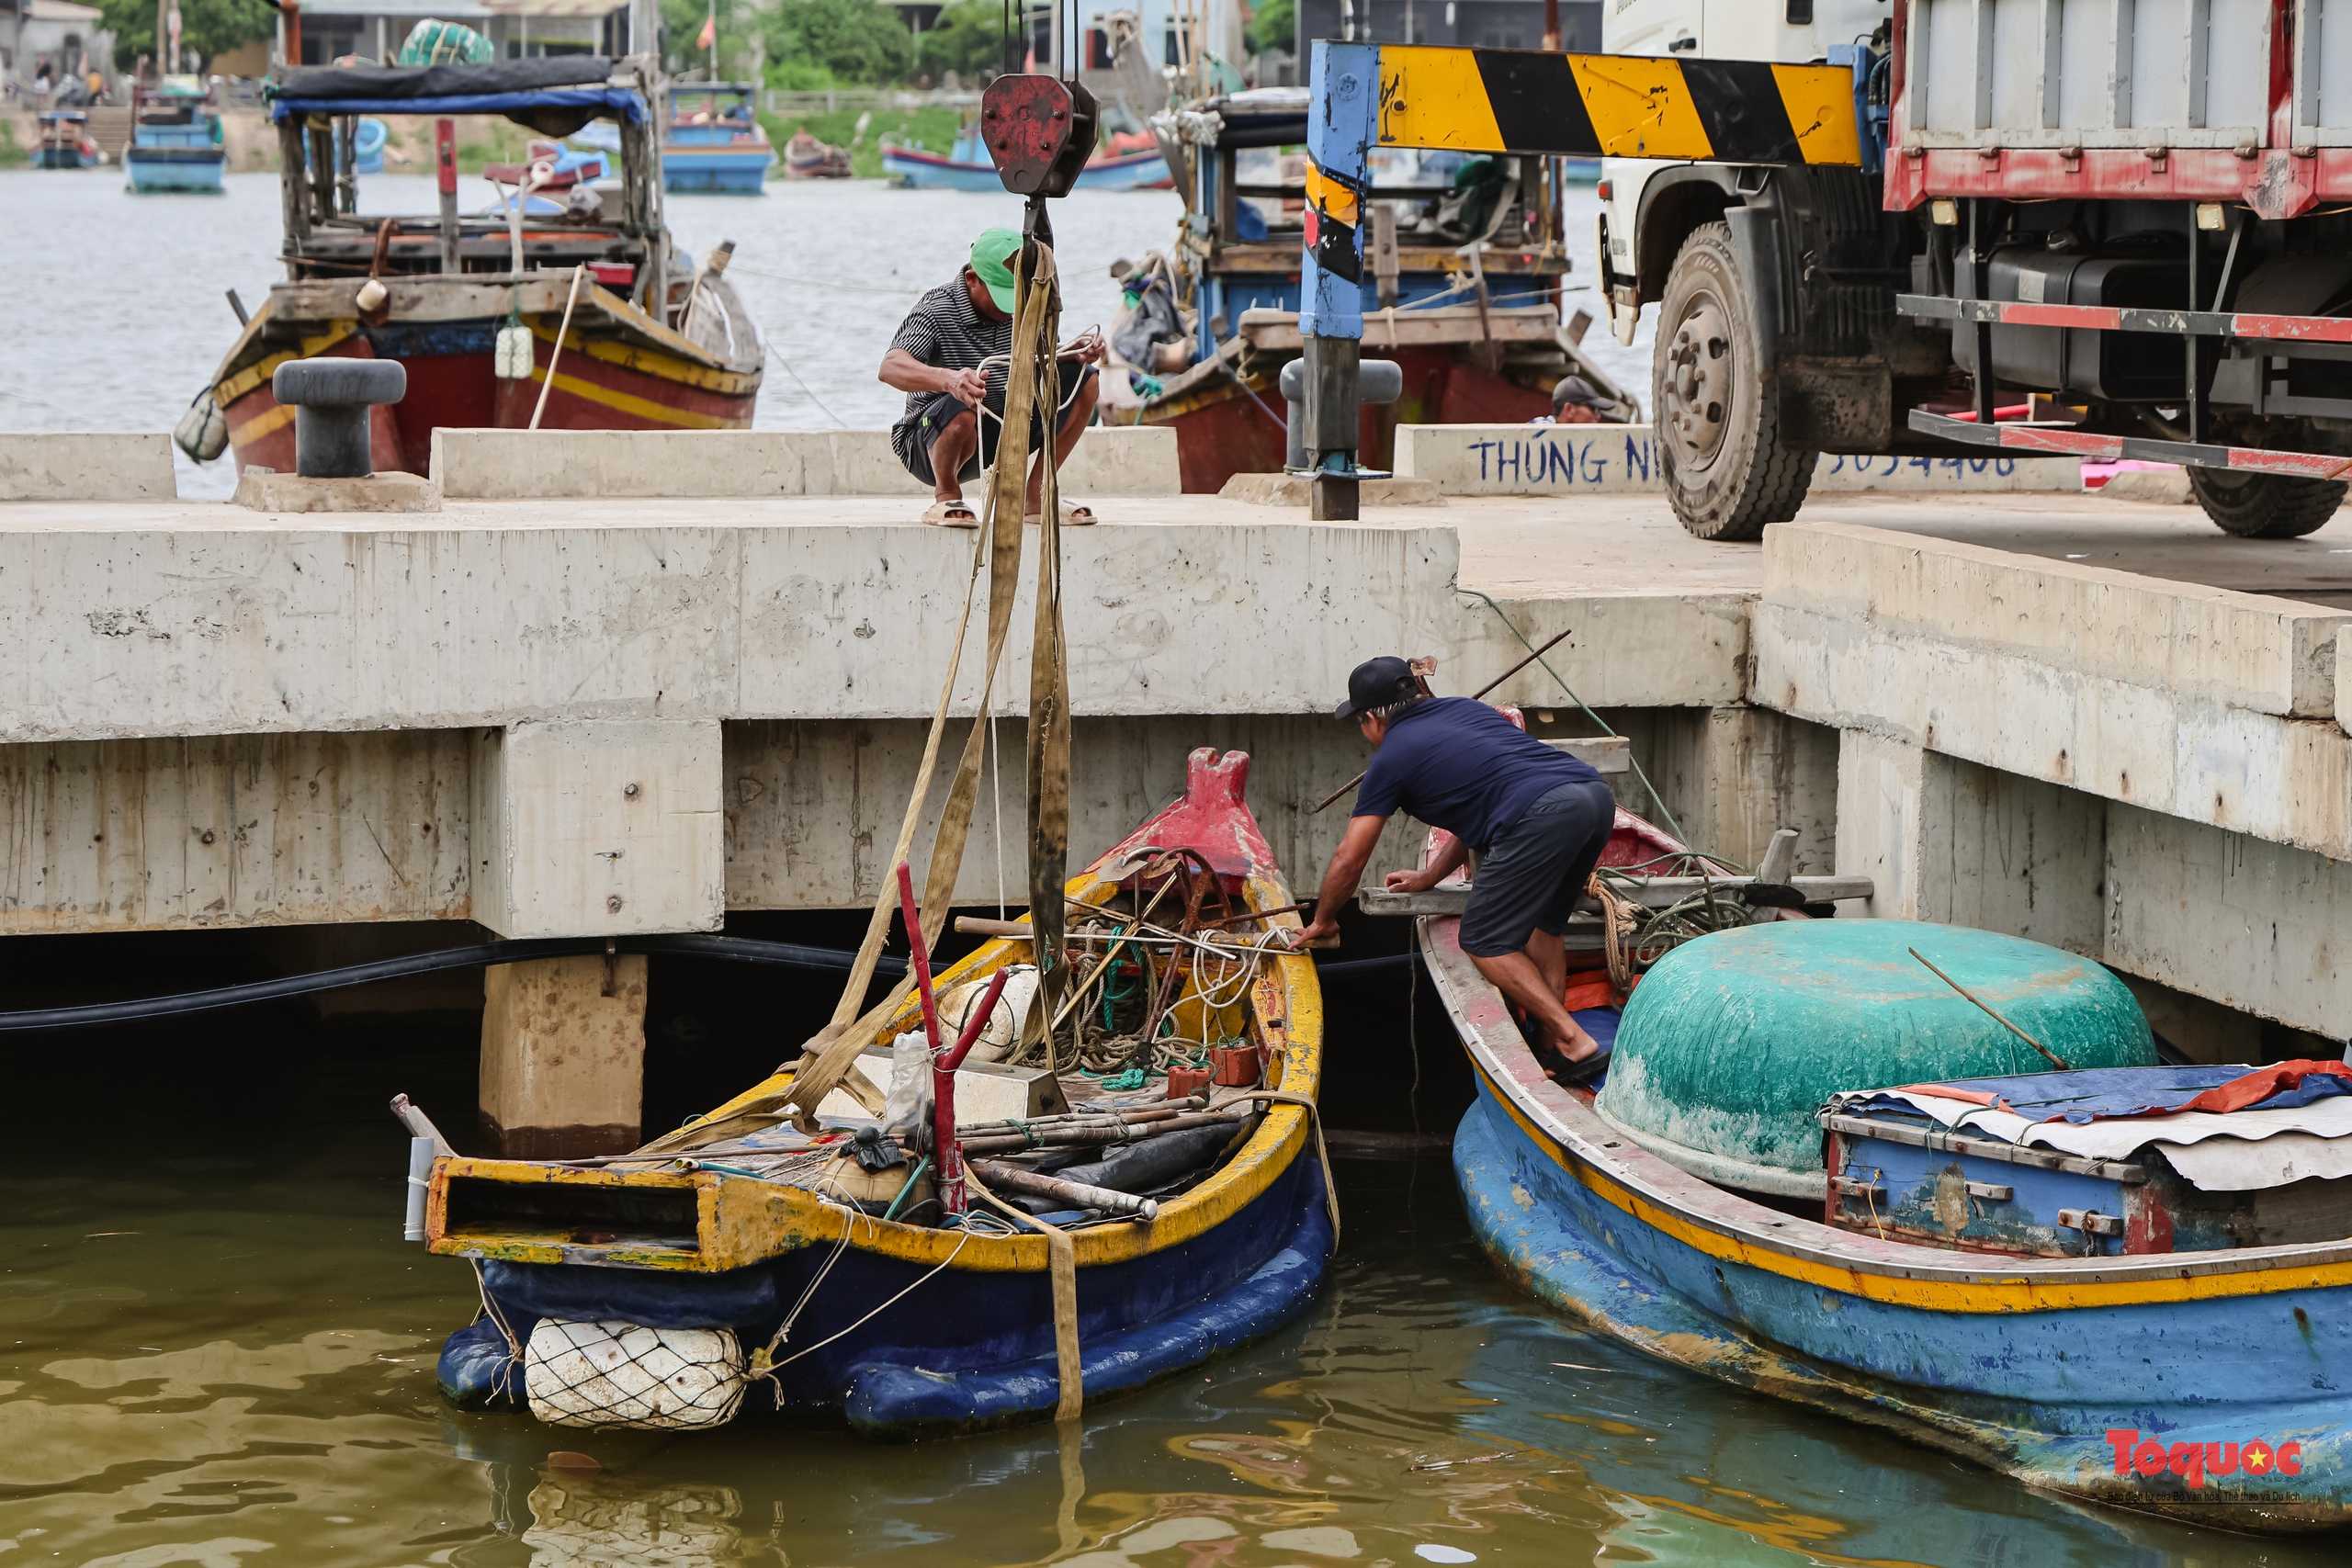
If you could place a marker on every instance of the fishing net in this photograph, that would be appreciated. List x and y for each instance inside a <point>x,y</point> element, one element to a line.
<point>619,1374</point>
<point>433,43</point>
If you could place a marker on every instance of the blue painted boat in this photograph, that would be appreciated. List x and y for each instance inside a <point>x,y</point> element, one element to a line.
<point>2196,1384</point>
<point>175,140</point>
<point>716,143</point>
<point>65,142</point>
<point>367,139</point>
<point>968,166</point>
<point>724,1238</point>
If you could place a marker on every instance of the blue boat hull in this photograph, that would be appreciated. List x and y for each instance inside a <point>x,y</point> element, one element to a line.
<point>153,169</point>
<point>723,173</point>
<point>930,172</point>
<point>962,1353</point>
<point>2037,1394</point>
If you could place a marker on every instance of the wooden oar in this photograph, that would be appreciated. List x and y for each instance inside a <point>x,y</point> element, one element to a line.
<point>2055,1060</point>
<point>1473,697</point>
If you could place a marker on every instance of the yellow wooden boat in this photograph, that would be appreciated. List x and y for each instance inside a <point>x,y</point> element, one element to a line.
<point>711,1276</point>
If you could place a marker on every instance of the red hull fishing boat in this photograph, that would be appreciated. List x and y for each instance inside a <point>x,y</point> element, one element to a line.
<point>584,318</point>
<point>1464,294</point>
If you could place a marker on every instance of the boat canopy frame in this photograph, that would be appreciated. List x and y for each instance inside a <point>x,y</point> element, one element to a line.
<point>554,95</point>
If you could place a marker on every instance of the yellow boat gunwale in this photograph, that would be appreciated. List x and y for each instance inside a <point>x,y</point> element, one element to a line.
<point>742,1220</point>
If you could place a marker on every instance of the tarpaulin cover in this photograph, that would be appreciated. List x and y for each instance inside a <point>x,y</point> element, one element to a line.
<point>622,102</point>
<point>384,84</point>
<point>2091,1094</point>
<point>2227,1129</point>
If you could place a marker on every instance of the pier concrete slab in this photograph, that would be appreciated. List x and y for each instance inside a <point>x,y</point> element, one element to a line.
<point>507,464</point>
<point>85,466</point>
<point>598,828</point>
<point>563,1056</point>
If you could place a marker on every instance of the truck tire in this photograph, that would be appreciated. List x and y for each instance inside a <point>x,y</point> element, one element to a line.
<point>1727,473</point>
<point>2265,507</point>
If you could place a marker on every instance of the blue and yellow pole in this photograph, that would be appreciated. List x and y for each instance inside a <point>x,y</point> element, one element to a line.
<point>1342,108</point>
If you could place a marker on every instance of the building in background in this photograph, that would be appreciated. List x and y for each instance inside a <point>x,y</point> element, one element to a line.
<point>70,39</point>
<point>1482,24</point>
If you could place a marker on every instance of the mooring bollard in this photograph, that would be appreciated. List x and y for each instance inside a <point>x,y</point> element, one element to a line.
<point>331,399</point>
<point>1377,381</point>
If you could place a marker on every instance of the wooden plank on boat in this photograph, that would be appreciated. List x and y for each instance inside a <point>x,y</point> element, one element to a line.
<point>1652,892</point>
<point>1949,1142</point>
<point>1276,330</point>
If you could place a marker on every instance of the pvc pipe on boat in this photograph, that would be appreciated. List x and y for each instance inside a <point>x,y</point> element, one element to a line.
<point>1076,1194</point>
<point>422,1153</point>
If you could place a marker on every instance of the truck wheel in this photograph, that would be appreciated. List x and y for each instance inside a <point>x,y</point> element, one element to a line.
<point>1718,437</point>
<point>2265,507</point>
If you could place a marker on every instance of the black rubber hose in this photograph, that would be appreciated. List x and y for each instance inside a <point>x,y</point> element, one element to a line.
<point>481,955</point>
<point>681,945</point>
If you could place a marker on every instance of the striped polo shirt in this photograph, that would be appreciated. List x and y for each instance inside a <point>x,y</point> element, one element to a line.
<point>945,332</point>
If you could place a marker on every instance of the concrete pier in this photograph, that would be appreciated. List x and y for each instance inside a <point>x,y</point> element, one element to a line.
<point>693,677</point>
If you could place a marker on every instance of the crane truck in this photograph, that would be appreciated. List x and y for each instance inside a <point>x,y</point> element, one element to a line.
<point>1921,227</point>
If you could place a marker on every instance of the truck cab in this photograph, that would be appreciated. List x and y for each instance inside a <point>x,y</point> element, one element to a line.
<point>1777,338</point>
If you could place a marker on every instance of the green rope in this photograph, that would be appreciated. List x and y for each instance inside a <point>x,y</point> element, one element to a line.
<point>1672,826</point>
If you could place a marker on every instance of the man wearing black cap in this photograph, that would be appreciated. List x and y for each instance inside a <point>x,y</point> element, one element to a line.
<point>1537,820</point>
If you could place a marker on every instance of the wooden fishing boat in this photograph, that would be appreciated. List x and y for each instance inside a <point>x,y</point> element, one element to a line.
<point>907,1329</point>
<point>2183,1374</point>
<point>807,158</point>
<point>176,139</point>
<point>715,142</point>
<point>1470,313</point>
<point>65,142</point>
<point>968,165</point>
<point>654,343</point>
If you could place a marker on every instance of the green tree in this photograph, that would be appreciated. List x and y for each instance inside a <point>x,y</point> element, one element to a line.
<point>209,26</point>
<point>969,38</point>
<point>859,41</point>
<point>739,32</point>
<point>1273,25</point>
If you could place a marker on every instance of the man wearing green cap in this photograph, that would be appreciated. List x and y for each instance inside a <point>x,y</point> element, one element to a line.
<point>954,407</point>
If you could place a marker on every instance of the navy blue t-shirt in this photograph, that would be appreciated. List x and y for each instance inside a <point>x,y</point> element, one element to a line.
<point>1457,764</point>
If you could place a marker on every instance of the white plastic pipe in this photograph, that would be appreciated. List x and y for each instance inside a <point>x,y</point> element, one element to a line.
<point>422,1153</point>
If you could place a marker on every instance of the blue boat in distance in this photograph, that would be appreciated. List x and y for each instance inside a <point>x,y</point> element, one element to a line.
<point>175,140</point>
<point>65,142</point>
<point>716,143</point>
<point>968,166</point>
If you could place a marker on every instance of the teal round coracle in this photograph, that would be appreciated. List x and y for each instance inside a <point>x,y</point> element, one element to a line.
<point>1732,1044</point>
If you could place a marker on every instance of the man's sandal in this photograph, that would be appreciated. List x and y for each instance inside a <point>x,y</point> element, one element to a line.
<point>1074,515</point>
<point>952,514</point>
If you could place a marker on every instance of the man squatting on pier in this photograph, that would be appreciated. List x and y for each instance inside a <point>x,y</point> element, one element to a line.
<point>1537,820</point>
<point>954,409</point>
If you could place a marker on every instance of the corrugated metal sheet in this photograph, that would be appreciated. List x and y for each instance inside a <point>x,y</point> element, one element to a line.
<point>2105,73</point>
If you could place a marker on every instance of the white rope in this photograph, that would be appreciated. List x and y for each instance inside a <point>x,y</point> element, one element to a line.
<point>513,1347</point>
<point>996,788</point>
<point>861,1322</point>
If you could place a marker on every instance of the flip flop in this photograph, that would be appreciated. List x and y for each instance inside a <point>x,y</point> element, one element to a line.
<point>1074,515</point>
<point>1584,1074</point>
<point>952,514</point>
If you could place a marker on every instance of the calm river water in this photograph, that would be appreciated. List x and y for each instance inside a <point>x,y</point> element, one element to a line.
<point>215,1350</point>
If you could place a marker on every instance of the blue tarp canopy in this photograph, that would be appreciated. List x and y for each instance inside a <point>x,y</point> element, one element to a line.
<point>622,103</point>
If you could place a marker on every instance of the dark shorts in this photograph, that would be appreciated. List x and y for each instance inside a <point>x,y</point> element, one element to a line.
<point>944,410</point>
<point>1530,876</point>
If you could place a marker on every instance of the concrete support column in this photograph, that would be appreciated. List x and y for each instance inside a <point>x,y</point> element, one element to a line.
<point>563,1056</point>
<point>586,829</point>
<point>1756,772</point>
<point>1882,821</point>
